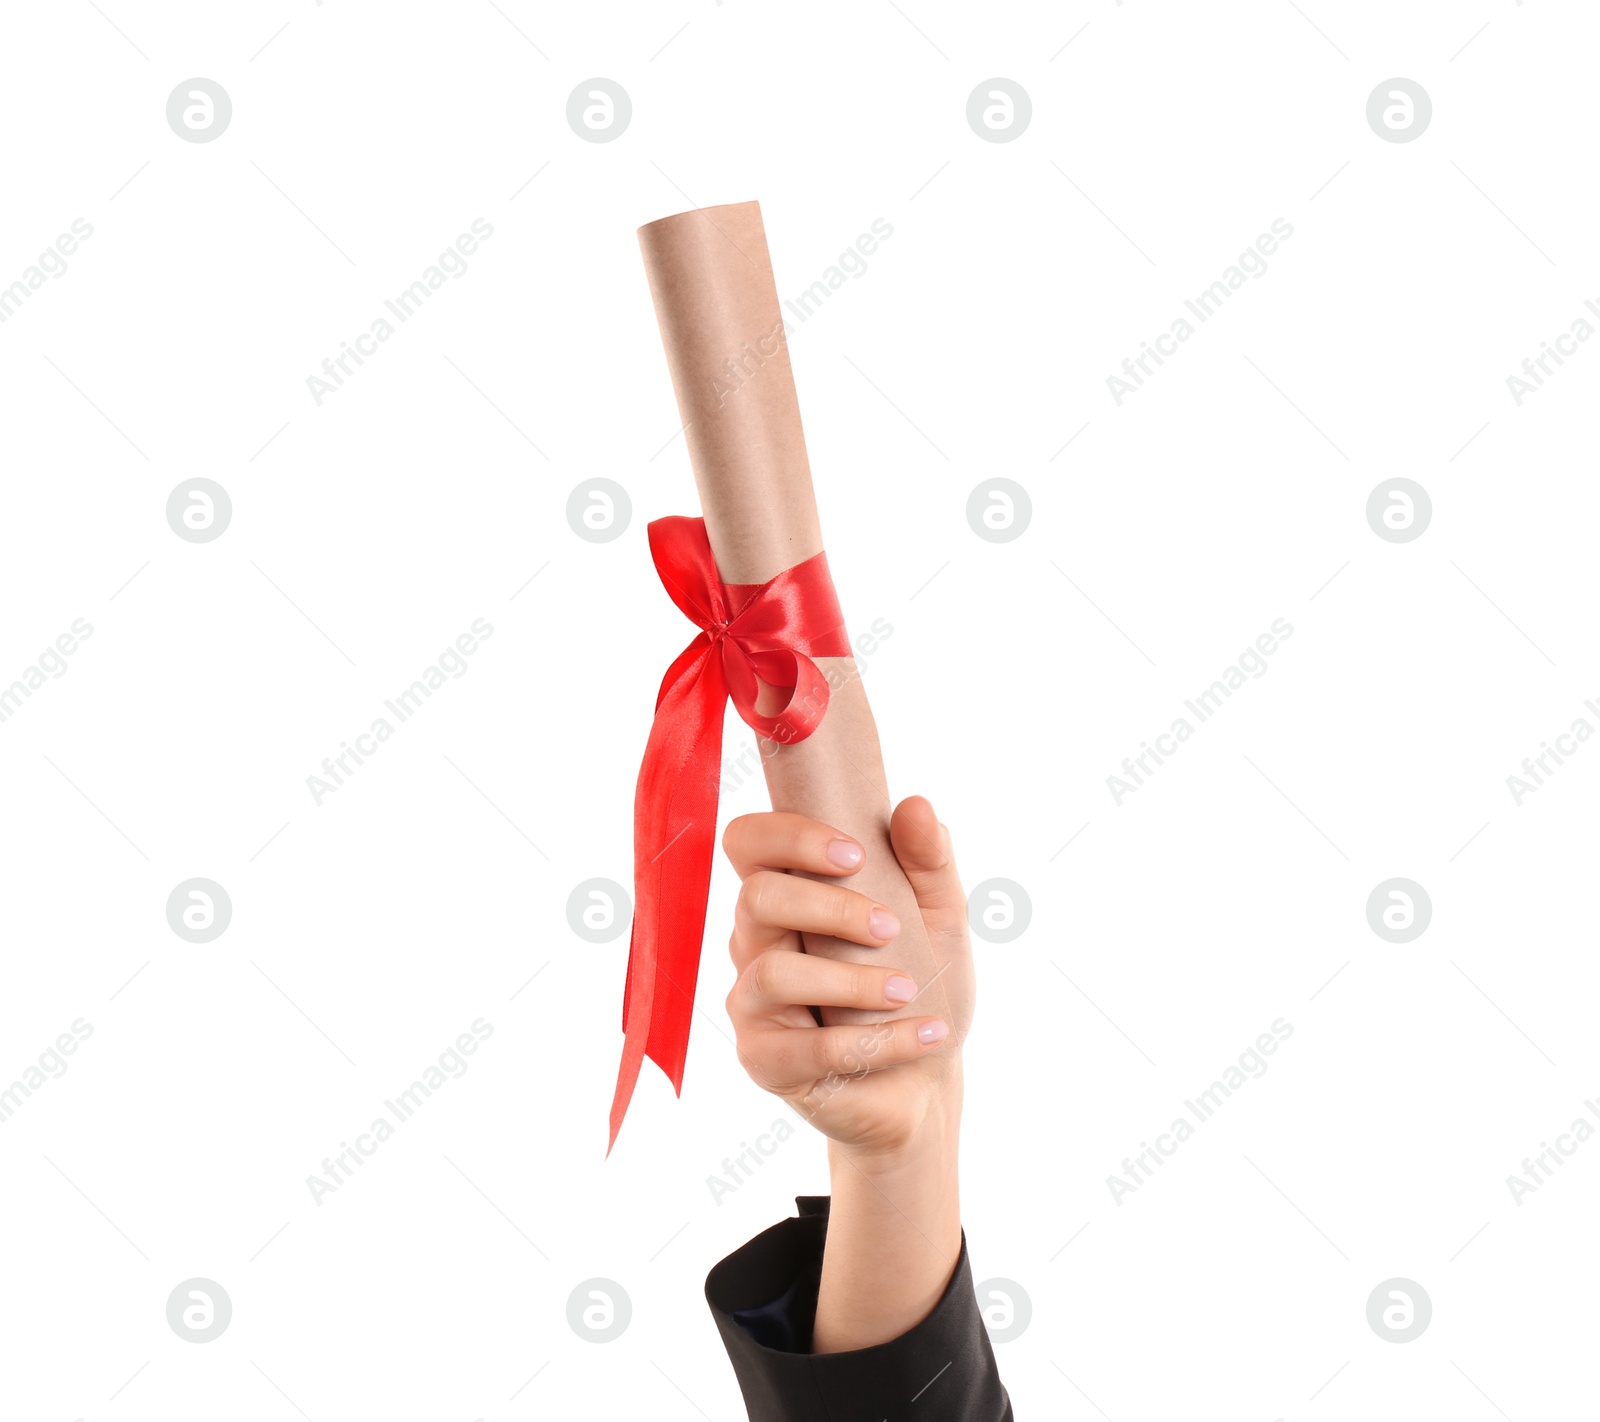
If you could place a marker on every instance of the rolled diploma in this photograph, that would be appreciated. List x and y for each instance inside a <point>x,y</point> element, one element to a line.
<point>715,298</point>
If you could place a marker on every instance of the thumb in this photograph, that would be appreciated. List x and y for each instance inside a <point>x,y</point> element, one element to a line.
<point>922,845</point>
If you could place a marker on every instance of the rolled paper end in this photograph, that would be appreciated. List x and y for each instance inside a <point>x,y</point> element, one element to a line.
<point>727,347</point>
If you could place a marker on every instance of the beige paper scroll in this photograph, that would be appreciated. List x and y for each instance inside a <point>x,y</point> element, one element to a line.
<point>717,306</point>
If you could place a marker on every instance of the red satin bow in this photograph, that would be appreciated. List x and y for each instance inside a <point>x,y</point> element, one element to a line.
<point>748,630</point>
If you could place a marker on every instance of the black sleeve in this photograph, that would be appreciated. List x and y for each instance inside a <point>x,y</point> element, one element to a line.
<point>764,1299</point>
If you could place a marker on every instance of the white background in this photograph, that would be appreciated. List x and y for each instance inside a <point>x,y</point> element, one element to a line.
<point>370,531</point>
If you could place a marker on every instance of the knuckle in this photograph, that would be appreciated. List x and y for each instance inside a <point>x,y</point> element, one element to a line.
<point>759,1069</point>
<point>847,913</point>
<point>869,984</point>
<point>759,895</point>
<point>748,1062</point>
<point>744,917</point>
<point>756,976</point>
<point>765,975</point>
<point>876,1044</point>
<point>735,834</point>
<point>803,841</point>
<point>825,1056</point>
<point>843,1056</point>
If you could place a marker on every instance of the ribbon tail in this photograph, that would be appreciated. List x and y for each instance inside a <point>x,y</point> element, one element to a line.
<point>674,836</point>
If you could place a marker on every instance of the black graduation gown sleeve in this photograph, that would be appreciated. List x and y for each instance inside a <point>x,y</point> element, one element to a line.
<point>764,1299</point>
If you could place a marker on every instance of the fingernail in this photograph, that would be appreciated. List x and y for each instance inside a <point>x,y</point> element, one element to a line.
<point>899,989</point>
<point>883,923</point>
<point>844,853</point>
<point>931,1032</point>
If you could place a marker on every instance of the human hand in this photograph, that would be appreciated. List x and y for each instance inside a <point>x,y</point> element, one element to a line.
<point>879,1084</point>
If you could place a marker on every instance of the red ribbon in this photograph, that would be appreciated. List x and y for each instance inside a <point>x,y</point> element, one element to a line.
<point>768,630</point>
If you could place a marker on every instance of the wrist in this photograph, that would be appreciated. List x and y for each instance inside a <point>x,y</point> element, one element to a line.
<point>928,1149</point>
<point>894,1233</point>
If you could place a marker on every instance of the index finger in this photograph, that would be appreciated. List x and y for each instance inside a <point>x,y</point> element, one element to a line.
<point>776,839</point>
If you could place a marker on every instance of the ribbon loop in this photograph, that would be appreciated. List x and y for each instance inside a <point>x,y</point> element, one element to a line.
<point>750,633</point>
